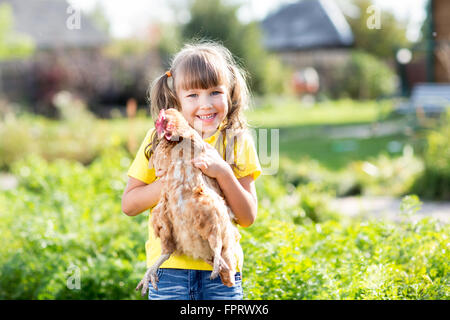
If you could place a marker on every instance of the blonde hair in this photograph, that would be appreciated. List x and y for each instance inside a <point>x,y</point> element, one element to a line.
<point>202,65</point>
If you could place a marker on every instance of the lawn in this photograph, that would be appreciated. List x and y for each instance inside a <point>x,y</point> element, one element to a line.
<point>315,132</point>
<point>290,112</point>
<point>336,154</point>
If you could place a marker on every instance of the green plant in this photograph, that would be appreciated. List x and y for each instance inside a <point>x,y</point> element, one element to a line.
<point>380,41</point>
<point>434,183</point>
<point>17,140</point>
<point>386,175</point>
<point>363,77</point>
<point>354,260</point>
<point>77,135</point>
<point>12,44</point>
<point>64,216</point>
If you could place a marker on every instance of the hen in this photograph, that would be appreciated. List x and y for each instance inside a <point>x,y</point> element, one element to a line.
<point>192,217</point>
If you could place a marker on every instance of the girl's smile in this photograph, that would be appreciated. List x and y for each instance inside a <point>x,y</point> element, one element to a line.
<point>207,118</point>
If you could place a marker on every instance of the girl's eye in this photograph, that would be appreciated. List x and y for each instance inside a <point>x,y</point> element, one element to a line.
<point>192,95</point>
<point>216,92</point>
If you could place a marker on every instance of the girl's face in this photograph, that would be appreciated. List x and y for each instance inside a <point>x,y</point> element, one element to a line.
<point>204,109</point>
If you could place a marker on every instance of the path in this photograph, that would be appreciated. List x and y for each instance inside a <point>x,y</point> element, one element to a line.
<point>351,131</point>
<point>7,181</point>
<point>389,208</point>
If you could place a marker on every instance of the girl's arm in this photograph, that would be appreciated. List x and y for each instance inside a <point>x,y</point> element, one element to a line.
<point>139,196</point>
<point>240,195</point>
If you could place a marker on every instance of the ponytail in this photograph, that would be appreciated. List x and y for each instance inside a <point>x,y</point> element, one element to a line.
<point>162,96</point>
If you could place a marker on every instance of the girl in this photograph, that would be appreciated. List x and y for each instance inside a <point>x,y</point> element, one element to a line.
<point>206,86</point>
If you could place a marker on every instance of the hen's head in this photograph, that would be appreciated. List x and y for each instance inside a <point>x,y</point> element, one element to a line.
<point>171,124</point>
<point>161,124</point>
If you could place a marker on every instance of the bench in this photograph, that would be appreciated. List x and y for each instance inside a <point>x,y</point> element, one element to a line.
<point>428,98</point>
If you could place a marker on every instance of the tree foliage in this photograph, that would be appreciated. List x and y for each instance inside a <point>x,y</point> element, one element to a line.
<point>12,44</point>
<point>364,77</point>
<point>383,41</point>
<point>217,21</point>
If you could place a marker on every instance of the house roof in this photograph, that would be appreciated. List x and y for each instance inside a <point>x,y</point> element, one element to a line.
<point>45,21</point>
<point>308,24</point>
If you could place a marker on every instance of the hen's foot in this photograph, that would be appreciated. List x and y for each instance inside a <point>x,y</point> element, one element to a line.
<point>218,266</point>
<point>150,276</point>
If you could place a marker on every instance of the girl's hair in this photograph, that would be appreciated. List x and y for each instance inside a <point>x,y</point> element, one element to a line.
<point>202,65</point>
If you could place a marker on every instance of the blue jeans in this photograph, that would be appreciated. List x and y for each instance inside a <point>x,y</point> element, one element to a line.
<point>185,284</point>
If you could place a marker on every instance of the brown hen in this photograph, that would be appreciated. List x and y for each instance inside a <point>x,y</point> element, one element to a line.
<point>192,217</point>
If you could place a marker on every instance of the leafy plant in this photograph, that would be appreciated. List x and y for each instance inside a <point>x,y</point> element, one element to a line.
<point>434,183</point>
<point>13,45</point>
<point>65,218</point>
<point>359,260</point>
<point>363,77</point>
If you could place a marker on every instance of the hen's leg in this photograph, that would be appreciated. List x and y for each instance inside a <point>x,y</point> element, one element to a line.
<point>150,275</point>
<point>163,230</point>
<point>227,276</point>
<point>218,263</point>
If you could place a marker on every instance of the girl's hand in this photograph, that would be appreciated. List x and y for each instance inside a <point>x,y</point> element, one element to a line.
<point>211,163</point>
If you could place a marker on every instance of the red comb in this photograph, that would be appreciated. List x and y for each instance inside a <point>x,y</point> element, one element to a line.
<point>160,123</point>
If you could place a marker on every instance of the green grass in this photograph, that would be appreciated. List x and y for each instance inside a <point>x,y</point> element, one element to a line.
<point>303,131</point>
<point>336,154</point>
<point>289,112</point>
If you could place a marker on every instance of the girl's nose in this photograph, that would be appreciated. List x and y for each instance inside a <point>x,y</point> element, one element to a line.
<point>206,103</point>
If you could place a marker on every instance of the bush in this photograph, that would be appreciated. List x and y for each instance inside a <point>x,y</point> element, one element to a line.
<point>65,218</point>
<point>332,260</point>
<point>381,175</point>
<point>13,45</point>
<point>434,183</point>
<point>77,136</point>
<point>363,77</point>
<point>16,140</point>
<point>388,176</point>
<point>305,203</point>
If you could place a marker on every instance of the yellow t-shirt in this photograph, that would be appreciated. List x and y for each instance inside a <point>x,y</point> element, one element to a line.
<point>247,163</point>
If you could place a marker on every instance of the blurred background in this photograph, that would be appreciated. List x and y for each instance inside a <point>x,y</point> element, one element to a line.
<point>358,89</point>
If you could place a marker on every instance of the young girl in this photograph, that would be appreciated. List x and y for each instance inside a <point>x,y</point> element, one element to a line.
<point>206,86</point>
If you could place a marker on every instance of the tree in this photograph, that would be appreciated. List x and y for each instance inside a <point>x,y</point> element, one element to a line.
<point>217,21</point>
<point>12,44</point>
<point>382,41</point>
<point>98,17</point>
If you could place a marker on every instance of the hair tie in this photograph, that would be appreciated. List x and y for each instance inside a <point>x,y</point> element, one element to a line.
<point>168,74</point>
